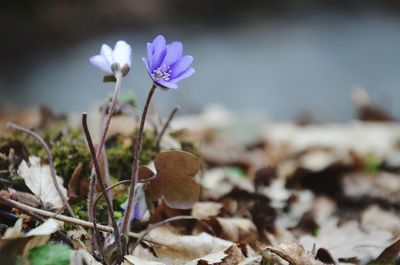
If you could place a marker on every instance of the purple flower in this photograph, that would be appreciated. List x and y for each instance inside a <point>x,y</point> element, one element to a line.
<point>140,205</point>
<point>165,63</point>
<point>108,58</point>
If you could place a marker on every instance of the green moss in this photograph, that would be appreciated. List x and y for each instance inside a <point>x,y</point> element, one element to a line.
<point>67,147</point>
<point>120,156</point>
<point>118,215</point>
<point>371,163</point>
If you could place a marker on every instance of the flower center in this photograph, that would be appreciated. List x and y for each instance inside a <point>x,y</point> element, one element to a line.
<point>163,72</point>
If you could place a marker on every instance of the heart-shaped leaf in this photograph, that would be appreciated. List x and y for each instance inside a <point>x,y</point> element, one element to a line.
<point>173,181</point>
<point>182,164</point>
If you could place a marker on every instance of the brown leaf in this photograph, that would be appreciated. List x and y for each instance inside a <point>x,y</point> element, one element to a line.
<point>177,192</point>
<point>145,173</point>
<point>180,163</point>
<point>73,184</point>
<point>180,193</point>
<point>295,254</point>
<point>173,182</point>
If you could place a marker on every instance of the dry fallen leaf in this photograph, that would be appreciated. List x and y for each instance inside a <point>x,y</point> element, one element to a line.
<point>349,240</point>
<point>204,210</point>
<point>295,254</point>
<point>179,249</point>
<point>38,179</point>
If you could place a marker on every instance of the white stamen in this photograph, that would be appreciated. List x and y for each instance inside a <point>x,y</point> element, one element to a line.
<point>163,72</point>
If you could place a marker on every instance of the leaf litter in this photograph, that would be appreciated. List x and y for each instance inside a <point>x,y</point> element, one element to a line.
<point>291,194</point>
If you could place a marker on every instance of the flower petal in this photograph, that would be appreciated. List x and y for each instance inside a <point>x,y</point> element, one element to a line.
<point>181,65</point>
<point>101,62</point>
<point>183,75</point>
<point>140,208</point>
<point>122,53</point>
<point>160,49</point>
<point>165,84</point>
<point>146,63</point>
<point>174,52</point>
<point>159,43</point>
<point>150,51</point>
<point>107,52</point>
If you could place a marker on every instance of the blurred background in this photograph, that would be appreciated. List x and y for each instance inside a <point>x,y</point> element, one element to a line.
<point>279,58</point>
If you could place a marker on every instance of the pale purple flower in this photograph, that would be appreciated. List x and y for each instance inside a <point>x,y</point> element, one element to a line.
<point>109,59</point>
<point>140,205</point>
<point>165,63</point>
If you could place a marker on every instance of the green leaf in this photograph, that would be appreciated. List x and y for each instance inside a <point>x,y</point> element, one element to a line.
<point>50,254</point>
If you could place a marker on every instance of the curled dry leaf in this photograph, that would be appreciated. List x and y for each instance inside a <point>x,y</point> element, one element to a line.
<point>295,254</point>
<point>38,179</point>
<point>173,181</point>
<point>178,249</point>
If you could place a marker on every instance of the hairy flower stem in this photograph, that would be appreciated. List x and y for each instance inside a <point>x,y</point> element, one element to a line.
<point>38,138</point>
<point>102,186</point>
<point>103,134</point>
<point>135,164</point>
<point>171,116</point>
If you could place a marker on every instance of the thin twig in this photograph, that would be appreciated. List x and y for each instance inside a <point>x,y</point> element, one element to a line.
<point>135,163</point>
<point>102,186</point>
<point>64,218</point>
<point>16,205</point>
<point>163,222</point>
<point>38,138</point>
<point>171,116</point>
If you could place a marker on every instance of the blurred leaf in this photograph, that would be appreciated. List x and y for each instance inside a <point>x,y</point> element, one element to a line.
<point>109,78</point>
<point>50,254</point>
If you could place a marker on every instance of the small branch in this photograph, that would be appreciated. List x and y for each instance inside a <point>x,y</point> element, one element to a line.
<point>102,186</point>
<point>38,138</point>
<point>135,163</point>
<point>163,222</point>
<point>64,218</point>
<point>171,116</point>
